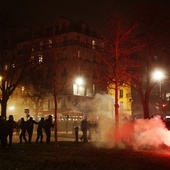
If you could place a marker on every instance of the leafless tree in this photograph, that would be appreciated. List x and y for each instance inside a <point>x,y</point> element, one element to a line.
<point>14,62</point>
<point>119,55</point>
<point>153,32</point>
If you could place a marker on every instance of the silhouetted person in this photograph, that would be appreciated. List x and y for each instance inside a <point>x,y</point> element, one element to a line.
<point>23,128</point>
<point>84,128</point>
<point>3,132</point>
<point>76,130</point>
<point>11,124</point>
<point>47,128</point>
<point>40,128</point>
<point>30,127</point>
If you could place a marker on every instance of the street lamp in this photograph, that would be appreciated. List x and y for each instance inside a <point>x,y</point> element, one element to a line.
<point>159,75</point>
<point>79,81</point>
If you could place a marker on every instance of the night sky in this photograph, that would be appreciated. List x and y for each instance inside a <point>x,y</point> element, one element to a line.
<point>92,12</point>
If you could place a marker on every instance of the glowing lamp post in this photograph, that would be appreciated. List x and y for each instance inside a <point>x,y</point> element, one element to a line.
<point>159,75</point>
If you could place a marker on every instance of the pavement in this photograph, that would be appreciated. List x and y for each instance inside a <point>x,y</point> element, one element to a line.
<point>61,136</point>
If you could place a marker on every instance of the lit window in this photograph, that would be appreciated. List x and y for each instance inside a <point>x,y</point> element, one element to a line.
<point>93,44</point>
<point>168,96</point>
<point>13,65</point>
<point>94,89</point>
<point>23,89</point>
<point>6,67</point>
<point>40,59</point>
<point>75,89</point>
<point>50,42</point>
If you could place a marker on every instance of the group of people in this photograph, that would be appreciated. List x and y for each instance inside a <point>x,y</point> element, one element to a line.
<point>25,130</point>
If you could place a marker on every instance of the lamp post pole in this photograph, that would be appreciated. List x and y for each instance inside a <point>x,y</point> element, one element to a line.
<point>160,97</point>
<point>159,76</point>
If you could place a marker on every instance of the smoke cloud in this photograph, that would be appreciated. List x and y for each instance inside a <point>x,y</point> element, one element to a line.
<point>139,134</point>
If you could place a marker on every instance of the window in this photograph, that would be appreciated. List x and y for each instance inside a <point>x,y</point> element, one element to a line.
<point>40,59</point>
<point>50,42</point>
<point>78,90</point>
<point>75,90</point>
<point>41,45</point>
<point>94,89</point>
<point>93,44</point>
<point>121,105</point>
<point>6,67</point>
<point>121,93</point>
<point>168,96</point>
<point>78,54</point>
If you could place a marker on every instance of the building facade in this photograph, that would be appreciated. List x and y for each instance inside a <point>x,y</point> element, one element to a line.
<point>72,49</point>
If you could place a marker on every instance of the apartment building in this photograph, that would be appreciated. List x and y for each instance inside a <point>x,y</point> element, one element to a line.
<point>73,50</point>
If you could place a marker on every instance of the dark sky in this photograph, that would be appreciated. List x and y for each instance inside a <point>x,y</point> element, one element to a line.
<point>90,11</point>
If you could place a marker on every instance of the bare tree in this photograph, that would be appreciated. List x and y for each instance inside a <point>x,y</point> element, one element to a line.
<point>14,62</point>
<point>37,86</point>
<point>153,32</point>
<point>119,50</point>
<point>132,53</point>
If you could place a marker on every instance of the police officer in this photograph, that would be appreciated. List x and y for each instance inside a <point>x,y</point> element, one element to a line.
<point>11,124</point>
<point>48,125</point>
<point>40,127</point>
<point>23,128</point>
<point>30,127</point>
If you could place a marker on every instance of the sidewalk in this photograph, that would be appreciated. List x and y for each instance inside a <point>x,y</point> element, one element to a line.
<point>61,136</point>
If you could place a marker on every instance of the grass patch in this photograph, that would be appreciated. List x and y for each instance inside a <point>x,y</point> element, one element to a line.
<point>77,156</point>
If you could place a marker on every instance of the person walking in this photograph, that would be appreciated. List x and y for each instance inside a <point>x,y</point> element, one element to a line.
<point>47,127</point>
<point>23,128</point>
<point>11,124</point>
<point>40,128</point>
<point>30,127</point>
<point>84,128</point>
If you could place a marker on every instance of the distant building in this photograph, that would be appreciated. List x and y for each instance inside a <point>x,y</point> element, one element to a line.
<point>72,48</point>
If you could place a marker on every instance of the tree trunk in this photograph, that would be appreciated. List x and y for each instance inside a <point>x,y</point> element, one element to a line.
<point>145,104</point>
<point>146,110</point>
<point>116,107</point>
<point>3,107</point>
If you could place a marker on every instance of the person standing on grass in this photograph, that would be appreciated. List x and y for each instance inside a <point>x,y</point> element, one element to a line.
<point>23,128</point>
<point>40,128</point>
<point>84,128</point>
<point>11,124</point>
<point>30,127</point>
<point>47,127</point>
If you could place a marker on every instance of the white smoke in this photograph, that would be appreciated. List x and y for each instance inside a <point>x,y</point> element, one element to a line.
<point>139,134</point>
